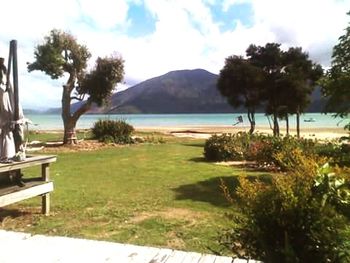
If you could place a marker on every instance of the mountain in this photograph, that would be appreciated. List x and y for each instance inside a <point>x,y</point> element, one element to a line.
<point>181,91</point>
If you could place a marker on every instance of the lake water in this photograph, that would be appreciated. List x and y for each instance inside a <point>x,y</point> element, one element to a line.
<point>54,121</point>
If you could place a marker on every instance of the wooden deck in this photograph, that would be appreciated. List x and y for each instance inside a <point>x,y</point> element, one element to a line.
<point>22,247</point>
<point>11,193</point>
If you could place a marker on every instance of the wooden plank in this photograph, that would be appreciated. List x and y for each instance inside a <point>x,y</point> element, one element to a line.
<point>207,258</point>
<point>63,249</point>
<point>239,260</point>
<point>224,260</point>
<point>193,257</point>
<point>162,256</point>
<point>17,196</point>
<point>176,257</point>
<point>11,187</point>
<point>29,162</point>
<point>141,254</point>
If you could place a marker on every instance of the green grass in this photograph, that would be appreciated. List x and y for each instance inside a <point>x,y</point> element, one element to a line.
<point>148,194</point>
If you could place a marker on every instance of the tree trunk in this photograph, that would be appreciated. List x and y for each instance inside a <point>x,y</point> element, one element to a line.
<point>276,128</point>
<point>251,118</point>
<point>70,119</point>
<point>298,124</point>
<point>287,124</point>
<point>69,136</point>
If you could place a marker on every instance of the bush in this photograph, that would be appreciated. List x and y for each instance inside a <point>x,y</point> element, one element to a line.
<point>294,218</point>
<point>338,153</point>
<point>112,131</point>
<point>265,150</point>
<point>226,147</point>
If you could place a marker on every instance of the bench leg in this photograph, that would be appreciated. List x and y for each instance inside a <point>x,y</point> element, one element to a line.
<point>45,204</point>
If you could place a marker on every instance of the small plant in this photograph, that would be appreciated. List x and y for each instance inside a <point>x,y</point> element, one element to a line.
<point>154,139</point>
<point>112,131</point>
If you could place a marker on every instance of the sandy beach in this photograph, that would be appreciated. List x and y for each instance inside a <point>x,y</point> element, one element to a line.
<point>206,131</point>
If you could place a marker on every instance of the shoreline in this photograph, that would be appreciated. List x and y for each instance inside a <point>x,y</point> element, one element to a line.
<point>205,131</point>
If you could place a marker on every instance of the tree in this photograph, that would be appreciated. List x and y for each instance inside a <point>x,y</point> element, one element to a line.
<point>239,81</point>
<point>302,75</point>
<point>61,55</point>
<point>336,82</point>
<point>289,80</point>
<point>269,59</point>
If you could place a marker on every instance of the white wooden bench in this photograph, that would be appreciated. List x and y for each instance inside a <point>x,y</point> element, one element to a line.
<point>40,186</point>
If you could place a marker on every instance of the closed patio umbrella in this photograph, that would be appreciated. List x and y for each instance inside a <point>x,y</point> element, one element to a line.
<point>7,125</point>
<point>7,142</point>
<point>11,114</point>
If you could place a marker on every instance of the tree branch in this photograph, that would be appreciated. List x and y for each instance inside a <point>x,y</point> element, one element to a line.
<point>83,109</point>
<point>76,98</point>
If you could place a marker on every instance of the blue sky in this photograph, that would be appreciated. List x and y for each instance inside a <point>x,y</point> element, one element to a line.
<point>157,36</point>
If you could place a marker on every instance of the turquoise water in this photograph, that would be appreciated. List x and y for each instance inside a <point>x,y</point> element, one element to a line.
<point>54,121</point>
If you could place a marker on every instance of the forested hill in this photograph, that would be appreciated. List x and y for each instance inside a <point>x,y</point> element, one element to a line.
<point>182,91</point>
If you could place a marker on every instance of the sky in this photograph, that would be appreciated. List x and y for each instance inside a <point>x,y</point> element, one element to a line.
<point>157,36</point>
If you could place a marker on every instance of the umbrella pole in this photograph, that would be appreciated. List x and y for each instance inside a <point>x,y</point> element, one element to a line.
<point>18,140</point>
<point>9,65</point>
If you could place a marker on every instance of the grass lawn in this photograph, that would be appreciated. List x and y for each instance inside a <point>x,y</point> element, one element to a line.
<point>162,195</point>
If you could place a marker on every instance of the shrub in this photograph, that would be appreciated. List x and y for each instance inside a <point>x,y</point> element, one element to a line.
<point>338,153</point>
<point>226,147</point>
<point>112,131</point>
<point>292,219</point>
<point>268,150</point>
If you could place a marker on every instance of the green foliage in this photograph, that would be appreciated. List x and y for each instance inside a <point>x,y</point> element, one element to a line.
<point>111,131</point>
<point>338,153</point>
<point>292,219</point>
<point>280,152</point>
<point>332,187</point>
<point>335,84</point>
<point>289,79</point>
<point>226,147</point>
<point>60,53</point>
<point>280,80</point>
<point>240,82</point>
<point>101,81</point>
<point>154,139</point>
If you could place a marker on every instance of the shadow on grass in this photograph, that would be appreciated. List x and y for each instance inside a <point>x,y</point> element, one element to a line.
<point>198,160</point>
<point>193,144</point>
<point>210,190</point>
<point>12,213</point>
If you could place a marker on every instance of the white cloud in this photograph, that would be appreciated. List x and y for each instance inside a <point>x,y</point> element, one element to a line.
<point>303,23</point>
<point>105,14</point>
<point>186,34</point>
